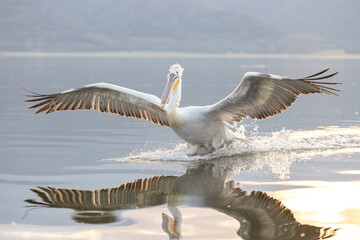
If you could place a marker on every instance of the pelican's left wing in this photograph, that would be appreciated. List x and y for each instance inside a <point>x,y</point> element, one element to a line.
<point>103,97</point>
<point>262,95</point>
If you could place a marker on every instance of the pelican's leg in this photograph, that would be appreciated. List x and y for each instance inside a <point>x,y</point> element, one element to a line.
<point>192,149</point>
<point>196,150</point>
<point>204,150</point>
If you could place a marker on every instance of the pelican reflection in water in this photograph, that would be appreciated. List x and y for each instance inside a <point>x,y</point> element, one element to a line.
<point>260,216</point>
<point>258,96</point>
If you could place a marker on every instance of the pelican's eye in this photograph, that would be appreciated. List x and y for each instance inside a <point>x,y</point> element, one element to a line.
<point>177,72</point>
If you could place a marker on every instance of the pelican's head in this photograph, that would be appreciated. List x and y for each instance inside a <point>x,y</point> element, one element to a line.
<point>174,78</point>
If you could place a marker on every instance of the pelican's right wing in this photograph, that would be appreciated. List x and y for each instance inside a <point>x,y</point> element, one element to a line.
<point>262,95</point>
<point>103,97</point>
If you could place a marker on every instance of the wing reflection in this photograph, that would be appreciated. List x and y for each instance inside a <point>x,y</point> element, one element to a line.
<point>96,206</point>
<point>205,185</point>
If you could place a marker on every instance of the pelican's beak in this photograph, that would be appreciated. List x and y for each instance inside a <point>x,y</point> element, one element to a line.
<point>172,83</point>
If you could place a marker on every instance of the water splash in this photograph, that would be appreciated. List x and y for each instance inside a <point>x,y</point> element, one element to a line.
<point>277,150</point>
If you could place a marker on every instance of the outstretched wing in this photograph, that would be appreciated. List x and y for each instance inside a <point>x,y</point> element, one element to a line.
<point>103,97</point>
<point>262,95</point>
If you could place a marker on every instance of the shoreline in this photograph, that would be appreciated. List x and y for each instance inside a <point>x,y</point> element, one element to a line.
<point>155,54</point>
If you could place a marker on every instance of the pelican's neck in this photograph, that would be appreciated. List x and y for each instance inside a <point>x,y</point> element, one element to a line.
<point>174,101</point>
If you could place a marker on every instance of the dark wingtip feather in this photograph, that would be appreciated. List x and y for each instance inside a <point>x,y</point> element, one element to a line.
<point>316,74</point>
<point>28,90</point>
<point>317,77</point>
<point>38,99</point>
<point>322,86</point>
<point>324,77</point>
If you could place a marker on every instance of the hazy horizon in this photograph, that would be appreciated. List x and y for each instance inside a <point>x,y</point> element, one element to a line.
<point>299,26</point>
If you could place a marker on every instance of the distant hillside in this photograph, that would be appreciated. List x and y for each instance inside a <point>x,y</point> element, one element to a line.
<point>331,23</point>
<point>169,25</point>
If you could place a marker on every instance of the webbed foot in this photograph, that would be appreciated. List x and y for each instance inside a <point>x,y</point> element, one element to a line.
<point>212,150</point>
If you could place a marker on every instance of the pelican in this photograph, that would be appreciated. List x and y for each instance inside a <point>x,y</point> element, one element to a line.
<point>258,96</point>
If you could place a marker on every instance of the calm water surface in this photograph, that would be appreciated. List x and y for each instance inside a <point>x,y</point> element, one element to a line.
<point>90,175</point>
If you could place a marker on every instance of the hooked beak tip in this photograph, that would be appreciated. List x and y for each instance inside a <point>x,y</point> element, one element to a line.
<point>162,106</point>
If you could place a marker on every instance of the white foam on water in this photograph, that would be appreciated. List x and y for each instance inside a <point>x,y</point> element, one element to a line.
<point>277,150</point>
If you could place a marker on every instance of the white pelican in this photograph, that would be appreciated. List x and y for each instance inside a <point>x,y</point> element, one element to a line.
<point>257,96</point>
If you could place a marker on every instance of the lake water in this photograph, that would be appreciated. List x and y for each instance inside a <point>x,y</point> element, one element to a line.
<point>90,175</point>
